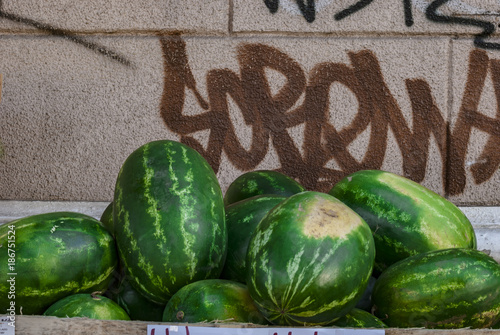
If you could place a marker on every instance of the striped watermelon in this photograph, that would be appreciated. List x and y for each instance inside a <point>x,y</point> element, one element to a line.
<point>309,260</point>
<point>450,288</point>
<point>242,218</point>
<point>56,255</point>
<point>253,183</point>
<point>405,217</point>
<point>93,306</point>
<point>168,215</point>
<point>213,300</point>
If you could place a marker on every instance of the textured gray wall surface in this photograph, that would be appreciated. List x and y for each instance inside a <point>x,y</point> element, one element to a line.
<point>316,92</point>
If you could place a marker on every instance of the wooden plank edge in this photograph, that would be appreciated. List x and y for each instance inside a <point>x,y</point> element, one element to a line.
<point>40,325</point>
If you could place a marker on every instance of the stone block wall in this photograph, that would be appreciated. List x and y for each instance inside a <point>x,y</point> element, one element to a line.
<point>314,89</point>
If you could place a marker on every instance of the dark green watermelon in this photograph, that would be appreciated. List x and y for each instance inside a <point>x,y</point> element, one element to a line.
<point>213,300</point>
<point>137,306</point>
<point>451,288</point>
<point>107,218</point>
<point>260,182</point>
<point>242,218</point>
<point>309,260</point>
<point>93,306</point>
<point>405,217</point>
<point>365,302</point>
<point>169,219</point>
<point>54,255</point>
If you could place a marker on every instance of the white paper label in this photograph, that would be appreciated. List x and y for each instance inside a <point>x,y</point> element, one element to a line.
<point>6,326</point>
<point>187,330</point>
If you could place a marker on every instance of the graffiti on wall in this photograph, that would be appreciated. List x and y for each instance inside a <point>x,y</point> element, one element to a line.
<point>66,34</point>
<point>271,116</point>
<point>308,9</point>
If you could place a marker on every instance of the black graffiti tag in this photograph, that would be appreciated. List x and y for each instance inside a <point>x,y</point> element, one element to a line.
<point>66,35</point>
<point>309,12</point>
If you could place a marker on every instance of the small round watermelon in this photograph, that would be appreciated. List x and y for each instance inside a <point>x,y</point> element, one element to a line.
<point>93,306</point>
<point>212,300</point>
<point>309,260</point>
<point>259,182</point>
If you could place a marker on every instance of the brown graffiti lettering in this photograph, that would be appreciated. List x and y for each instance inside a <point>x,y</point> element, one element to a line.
<point>271,116</point>
<point>469,117</point>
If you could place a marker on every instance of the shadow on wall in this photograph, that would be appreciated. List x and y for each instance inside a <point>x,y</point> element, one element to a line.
<point>270,116</point>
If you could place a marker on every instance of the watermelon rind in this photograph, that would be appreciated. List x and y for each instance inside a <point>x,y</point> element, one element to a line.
<point>405,217</point>
<point>242,218</point>
<point>252,183</point>
<point>309,260</point>
<point>365,302</point>
<point>107,218</point>
<point>213,300</point>
<point>55,255</point>
<point>449,289</point>
<point>169,221</point>
<point>92,306</point>
<point>137,306</point>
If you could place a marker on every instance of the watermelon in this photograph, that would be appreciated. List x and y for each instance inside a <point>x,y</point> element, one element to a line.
<point>107,218</point>
<point>450,288</point>
<point>169,220</point>
<point>242,218</point>
<point>210,300</point>
<point>259,182</point>
<point>358,318</point>
<point>136,305</point>
<point>54,255</point>
<point>405,217</point>
<point>309,260</point>
<point>365,302</point>
<point>93,306</point>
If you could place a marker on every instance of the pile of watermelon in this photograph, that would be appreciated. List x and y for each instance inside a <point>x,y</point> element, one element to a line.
<point>378,250</point>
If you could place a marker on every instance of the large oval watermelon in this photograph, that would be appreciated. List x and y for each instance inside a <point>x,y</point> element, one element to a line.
<point>450,288</point>
<point>53,255</point>
<point>259,182</point>
<point>309,260</point>
<point>242,218</point>
<point>212,300</point>
<point>168,218</point>
<point>405,217</point>
<point>93,306</point>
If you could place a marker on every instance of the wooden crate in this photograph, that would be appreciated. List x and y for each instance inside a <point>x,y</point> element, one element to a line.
<point>43,325</point>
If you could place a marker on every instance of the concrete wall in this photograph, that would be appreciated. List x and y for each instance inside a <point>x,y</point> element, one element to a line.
<point>317,91</point>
